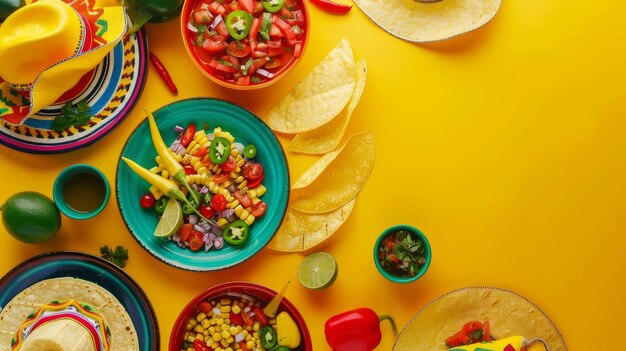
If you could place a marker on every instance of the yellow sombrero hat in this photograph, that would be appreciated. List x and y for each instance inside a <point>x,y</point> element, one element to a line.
<point>48,45</point>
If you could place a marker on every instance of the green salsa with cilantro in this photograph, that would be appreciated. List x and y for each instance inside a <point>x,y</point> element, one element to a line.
<point>402,254</point>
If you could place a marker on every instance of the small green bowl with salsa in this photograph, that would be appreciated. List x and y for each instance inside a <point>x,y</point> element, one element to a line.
<point>402,254</point>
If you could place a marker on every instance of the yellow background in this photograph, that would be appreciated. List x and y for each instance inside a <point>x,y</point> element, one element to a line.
<point>504,146</point>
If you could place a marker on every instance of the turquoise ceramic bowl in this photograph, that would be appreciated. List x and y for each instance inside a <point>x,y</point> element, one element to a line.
<point>64,177</point>
<point>246,128</point>
<point>417,234</point>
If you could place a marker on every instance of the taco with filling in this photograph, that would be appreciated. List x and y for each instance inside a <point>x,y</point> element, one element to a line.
<point>513,323</point>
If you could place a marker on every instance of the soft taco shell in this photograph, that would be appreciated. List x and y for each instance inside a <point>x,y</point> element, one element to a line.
<point>123,334</point>
<point>303,231</point>
<point>508,313</point>
<point>336,177</point>
<point>325,138</point>
<point>319,97</point>
<point>420,22</point>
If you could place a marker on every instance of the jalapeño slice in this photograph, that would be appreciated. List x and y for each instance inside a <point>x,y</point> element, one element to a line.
<point>236,233</point>
<point>273,5</point>
<point>219,150</point>
<point>238,24</point>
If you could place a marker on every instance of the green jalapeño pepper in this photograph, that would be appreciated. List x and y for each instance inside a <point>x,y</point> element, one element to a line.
<point>273,5</point>
<point>249,151</point>
<point>160,204</point>
<point>236,233</point>
<point>267,335</point>
<point>7,7</point>
<point>219,149</point>
<point>238,24</point>
<point>192,205</point>
<point>206,199</point>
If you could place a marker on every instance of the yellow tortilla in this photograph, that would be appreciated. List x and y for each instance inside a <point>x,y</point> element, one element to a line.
<point>123,334</point>
<point>336,177</point>
<point>420,22</point>
<point>319,97</point>
<point>508,314</point>
<point>302,231</point>
<point>328,136</point>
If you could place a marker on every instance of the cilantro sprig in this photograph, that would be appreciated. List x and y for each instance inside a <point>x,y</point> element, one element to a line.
<point>411,252</point>
<point>118,257</point>
<point>72,115</point>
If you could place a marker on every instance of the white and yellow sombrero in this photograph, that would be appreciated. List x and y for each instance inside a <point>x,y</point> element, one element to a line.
<point>48,45</point>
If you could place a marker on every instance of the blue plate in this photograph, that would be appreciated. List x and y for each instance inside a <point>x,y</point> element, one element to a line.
<point>93,269</point>
<point>247,129</point>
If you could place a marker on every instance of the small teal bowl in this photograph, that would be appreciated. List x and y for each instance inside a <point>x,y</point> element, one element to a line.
<point>64,177</point>
<point>247,128</point>
<point>416,234</point>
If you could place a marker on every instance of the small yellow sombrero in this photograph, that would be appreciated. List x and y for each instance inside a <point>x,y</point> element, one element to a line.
<point>48,45</point>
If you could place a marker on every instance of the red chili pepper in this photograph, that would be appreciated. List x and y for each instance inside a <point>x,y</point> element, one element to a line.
<point>356,330</point>
<point>333,7</point>
<point>163,73</point>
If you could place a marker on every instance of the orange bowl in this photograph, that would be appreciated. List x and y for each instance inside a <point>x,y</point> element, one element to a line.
<point>237,290</point>
<point>205,60</point>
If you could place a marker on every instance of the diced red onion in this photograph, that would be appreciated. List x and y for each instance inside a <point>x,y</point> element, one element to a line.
<point>233,293</point>
<point>218,244</point>
<point>216,230</point>
<point>246,297</point>
<point>239,147</point>
<point>212,237</point>
<point>210,136</point>
<point>264,73</point>
<point>239,337</point>
<point>179,129</point>
<point>199,228</point>
<point>191,27</point>
<point>217,21</point>
<point>249,298</point>
<point>204,190</point>
<point>193,219</point>
<point>208,244</point>
<point>217,311</point>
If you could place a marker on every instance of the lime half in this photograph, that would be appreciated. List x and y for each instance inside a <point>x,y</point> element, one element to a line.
<point>170,221</point>
<point>317,271</point>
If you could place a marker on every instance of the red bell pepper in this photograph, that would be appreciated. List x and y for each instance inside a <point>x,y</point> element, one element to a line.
<point>356,330</point>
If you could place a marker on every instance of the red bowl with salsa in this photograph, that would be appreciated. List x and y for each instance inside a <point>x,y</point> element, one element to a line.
<point>402,254</point>
<point>251,299</point>
<point>245,44</point>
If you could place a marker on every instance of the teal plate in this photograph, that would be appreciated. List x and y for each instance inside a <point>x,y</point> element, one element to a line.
<point>247,129</point>
<point>95,270</point>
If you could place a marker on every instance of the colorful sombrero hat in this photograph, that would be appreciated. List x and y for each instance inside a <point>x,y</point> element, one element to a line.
<point>66,314</point>
<point>48,45</point>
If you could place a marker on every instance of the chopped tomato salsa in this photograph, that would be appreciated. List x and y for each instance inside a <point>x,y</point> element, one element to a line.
<point>246,42</point>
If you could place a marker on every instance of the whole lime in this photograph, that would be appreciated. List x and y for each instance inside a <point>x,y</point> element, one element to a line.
<point>31,217</point>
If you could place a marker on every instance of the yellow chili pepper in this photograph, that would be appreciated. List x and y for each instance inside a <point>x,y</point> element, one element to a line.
<point>166,186</point>
<point>171,165</point>
<point>287,331</point>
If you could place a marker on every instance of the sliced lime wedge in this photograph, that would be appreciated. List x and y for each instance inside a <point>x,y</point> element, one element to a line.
<point>170,221</point>
<point>317,271</point>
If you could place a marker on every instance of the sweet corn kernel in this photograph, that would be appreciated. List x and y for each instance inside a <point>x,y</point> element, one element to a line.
<point>212,330</point>
<point>200,337</point>
<point>206,333</point>
<point>198,328</point>
<point>217,337</point>
<point>191,338</point>
<point>250,345</point>
<point>188,326</point>
<point>250,219</point>
<point>220,321</point>
<point>193,322</point>
<point>222,222</point>
<point>225,309</point>
<point>225,334</point>
<point>206,323</point>
<point>236,309</point>
<point>256,327</point>
<point>230,340</point>
<point>229,349</point>
<point>191,349</point>
<point>227,321</point>
<point>201,316</point>
<point>224,343</point>
<point>233,330</point>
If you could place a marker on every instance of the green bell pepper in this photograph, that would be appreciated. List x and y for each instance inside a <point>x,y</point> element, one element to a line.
<point>153,11</point>
<point>7,7</point>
